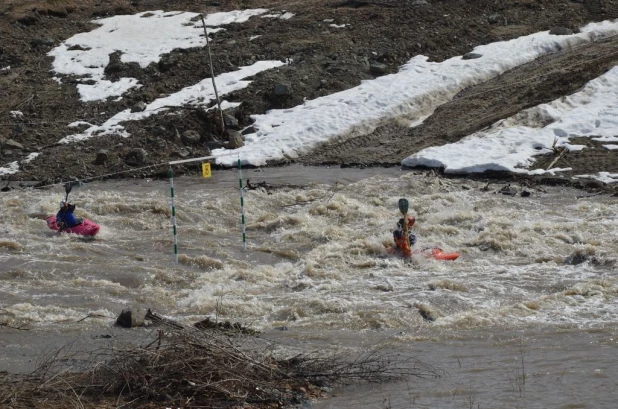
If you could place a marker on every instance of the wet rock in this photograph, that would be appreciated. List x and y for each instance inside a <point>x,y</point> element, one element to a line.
<point>560,31</point>
<point>42,42</point>
<point>576,259</point>
<point>235,139</point>
<point>114,65</point>
<point>129,319</point>
<point>116,69</point>
<point>211,122</point>
<point>181,153</point>
<point>282,328</point>
<point>377,68</point>
<point>58,11</point>
<point>103,336</point>
<point>136,157</point>
<point>419,3</point>
<point>78,47</point>
<point>248,130</point>
<point>230,121</point>
<point>159,131</point>
<point>525,193</point>
<point>494,18</point>
<point>191,137</point>
<point>428,313</point>
<point>593,184</point>
<point>471,56</point>
<point>168,62</point>
<point>29,19</point>
<point>139,107</point>
<point>214,144</point>
<point>102,157</point>
<point>282,90</point>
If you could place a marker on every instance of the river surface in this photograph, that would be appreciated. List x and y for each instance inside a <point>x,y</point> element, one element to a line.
<point>527,317</point>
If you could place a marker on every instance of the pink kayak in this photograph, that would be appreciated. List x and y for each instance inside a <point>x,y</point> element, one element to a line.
<point>86,228</point>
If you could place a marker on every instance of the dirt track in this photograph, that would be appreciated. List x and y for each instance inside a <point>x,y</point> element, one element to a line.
<point>540,81</point>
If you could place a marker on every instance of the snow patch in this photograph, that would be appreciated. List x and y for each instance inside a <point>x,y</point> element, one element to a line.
<point>604,177</point>
<point>199,94</point>
<point>142,38</point>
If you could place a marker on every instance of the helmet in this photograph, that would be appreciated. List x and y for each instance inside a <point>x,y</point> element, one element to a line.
<point>62,203</point>
<point>411,221</point>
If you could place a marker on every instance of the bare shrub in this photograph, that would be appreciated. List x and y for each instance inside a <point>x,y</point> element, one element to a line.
<point>189,367</point>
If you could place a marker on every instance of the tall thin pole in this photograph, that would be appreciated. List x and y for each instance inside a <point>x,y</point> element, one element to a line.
<point>174,218</point>
<point>212,75</point>
<point>242,207</point>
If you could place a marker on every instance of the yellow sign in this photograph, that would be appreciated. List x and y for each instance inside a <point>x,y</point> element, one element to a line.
<point>206,170</point>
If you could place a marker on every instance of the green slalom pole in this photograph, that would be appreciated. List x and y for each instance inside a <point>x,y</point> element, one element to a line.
<point>174,218</point>
<point>242,207</point>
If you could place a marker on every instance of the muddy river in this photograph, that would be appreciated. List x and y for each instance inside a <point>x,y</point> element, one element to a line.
<point>527,317</point>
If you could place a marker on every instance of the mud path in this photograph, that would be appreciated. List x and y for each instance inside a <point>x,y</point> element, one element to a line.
<point>543,80</point>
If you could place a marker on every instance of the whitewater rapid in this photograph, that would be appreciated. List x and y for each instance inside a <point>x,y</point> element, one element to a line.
<point>316,254</point>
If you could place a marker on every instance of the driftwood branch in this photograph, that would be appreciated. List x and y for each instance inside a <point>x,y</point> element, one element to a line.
<point>563,151</point>
<point>94,316</point>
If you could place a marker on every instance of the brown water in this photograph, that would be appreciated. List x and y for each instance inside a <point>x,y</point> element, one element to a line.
<point>316,264</point>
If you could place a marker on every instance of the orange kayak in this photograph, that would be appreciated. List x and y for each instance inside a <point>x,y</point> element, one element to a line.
<point>435,252</point>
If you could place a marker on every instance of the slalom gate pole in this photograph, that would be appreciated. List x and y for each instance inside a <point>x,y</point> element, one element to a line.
<point>242,207</point>
<point>212,75</point>
<point>174,218</point>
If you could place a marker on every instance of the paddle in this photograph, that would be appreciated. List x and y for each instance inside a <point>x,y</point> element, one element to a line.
<point>67,188</point>
<point>404,205</point>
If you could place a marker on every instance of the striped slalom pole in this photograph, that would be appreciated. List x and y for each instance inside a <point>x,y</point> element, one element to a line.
<point>242,207</point>
<point>174,218</point>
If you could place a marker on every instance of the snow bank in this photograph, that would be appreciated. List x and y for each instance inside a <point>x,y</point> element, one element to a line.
<point>591,112</point>
<point>414,92</point>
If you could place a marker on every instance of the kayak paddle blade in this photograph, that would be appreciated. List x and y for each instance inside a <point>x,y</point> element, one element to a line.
<point>404,206</point>
<point>67,187</point>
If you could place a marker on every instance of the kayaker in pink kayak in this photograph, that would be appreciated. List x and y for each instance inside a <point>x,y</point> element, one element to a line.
<point>65,217</point>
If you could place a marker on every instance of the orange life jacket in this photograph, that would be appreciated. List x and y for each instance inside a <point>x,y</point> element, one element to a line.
<point>402,245</point>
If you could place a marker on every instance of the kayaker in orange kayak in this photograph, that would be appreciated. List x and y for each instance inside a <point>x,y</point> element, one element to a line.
<point>399,235</point>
